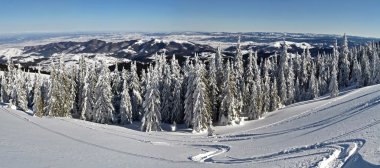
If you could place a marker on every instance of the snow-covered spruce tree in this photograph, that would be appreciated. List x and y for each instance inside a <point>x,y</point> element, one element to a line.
<point>313,84</point>
<point>281,71</point>
<point>201,103</point>
<point>322,73</point>
<point>29,88</point>
<point>250,90</point>
<point>366,73</point>
<point>238,70</point>
<point>135,92</point>
<point>151,105</point>
<point>52,94</point>
<point>104,110</point>
<point>188,83</point>
<point>356,79</point>
<point>60,97</point>
<point>38,102</point>
<point>257,79</point>
<point>290,91</point>
<point>80,83</point>
<point>344,64</point>
<point>375,67</point>
<point>6,82</point>
<point>229,110</point>
<point>89,101</point>
<point>265,87</point>
<point>21,90</point>
<point>176,92</point>
<point>166,93</point>
<point>297,90</point>
<point>274,98</point>
<point>125,102</point>
<point>213,88</point>
<point>116,87</point>
<point>333,86</point>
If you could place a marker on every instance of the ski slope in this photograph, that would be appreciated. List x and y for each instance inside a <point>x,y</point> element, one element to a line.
<point>339,132</point>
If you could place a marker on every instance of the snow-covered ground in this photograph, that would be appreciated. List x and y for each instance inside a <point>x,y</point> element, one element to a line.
<point>339,132</point>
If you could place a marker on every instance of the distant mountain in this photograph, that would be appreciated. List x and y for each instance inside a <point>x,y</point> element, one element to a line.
<point>141,47</point>
<point>134,49</point>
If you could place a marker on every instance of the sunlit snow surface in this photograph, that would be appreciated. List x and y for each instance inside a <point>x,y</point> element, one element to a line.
<point>339,132</point>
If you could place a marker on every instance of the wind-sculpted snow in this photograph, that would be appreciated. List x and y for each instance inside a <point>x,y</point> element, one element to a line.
<point>324,133</point>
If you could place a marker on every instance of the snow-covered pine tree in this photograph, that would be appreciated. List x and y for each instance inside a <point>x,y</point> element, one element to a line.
<point>265,87</point>
<point>29,88</point>
<point>290,91</point>
<point>116,85</point>
<point>188,83</point>
<point>274,98</point>
<point>313,84</point>
<point>213,88</point>
<point>80,83</point>
<point>375,67</point>
<point>166,92</point>
<point>333,86</point>
<point>38,102</point>
<point>21,90</point>
<point>176,92</point>
<point>366,73</point>
<point>229,112</point>
<point>135,92</point>
<point>281,71</point>
<point>297,90</point>
<point>7,82</point>
<point>250,90</point>
<point>238,70</point>
<point>201,103</point>
<point>103,108</point>
<point>125,102</point>
<point>151,105</point>
<point>344,64</point>
<point>52,95</point>
<point>356,79</point>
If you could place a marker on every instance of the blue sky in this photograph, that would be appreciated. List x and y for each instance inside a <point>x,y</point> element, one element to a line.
<point>355,17</point>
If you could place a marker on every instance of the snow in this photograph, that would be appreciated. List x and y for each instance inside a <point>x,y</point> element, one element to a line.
<point>303,45</point>
<point>339,132</point>
<point>11,52</point>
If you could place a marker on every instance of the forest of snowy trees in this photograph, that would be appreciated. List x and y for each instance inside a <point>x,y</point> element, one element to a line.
<point>200,92</point>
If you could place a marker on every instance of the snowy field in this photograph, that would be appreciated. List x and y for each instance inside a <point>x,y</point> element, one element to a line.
<point>339,132</point>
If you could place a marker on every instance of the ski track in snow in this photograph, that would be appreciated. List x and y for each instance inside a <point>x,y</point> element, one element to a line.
<point>334,152</point>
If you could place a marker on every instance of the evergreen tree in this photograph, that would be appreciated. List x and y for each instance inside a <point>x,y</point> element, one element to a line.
<point>250,90</point>
<point>188,102</point>
<point>344,65</point>
<point>117,88</point>
<point>356,79</point>
<point>213,88</point>
<point>274,98</point>
<point>166,93</point>
<point>229,110</point>
<point>151,105</point>
<point>333,86</point>
<point>201,104</point>
<point>103,108</point>
<point>313,84</point>
<point>265,87</point>
<point>38,102</point>
<point>135,92</point>
<point>176,92</point>
<point>125,104</point>
<point>290,91</point>
<point>282,69</point>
